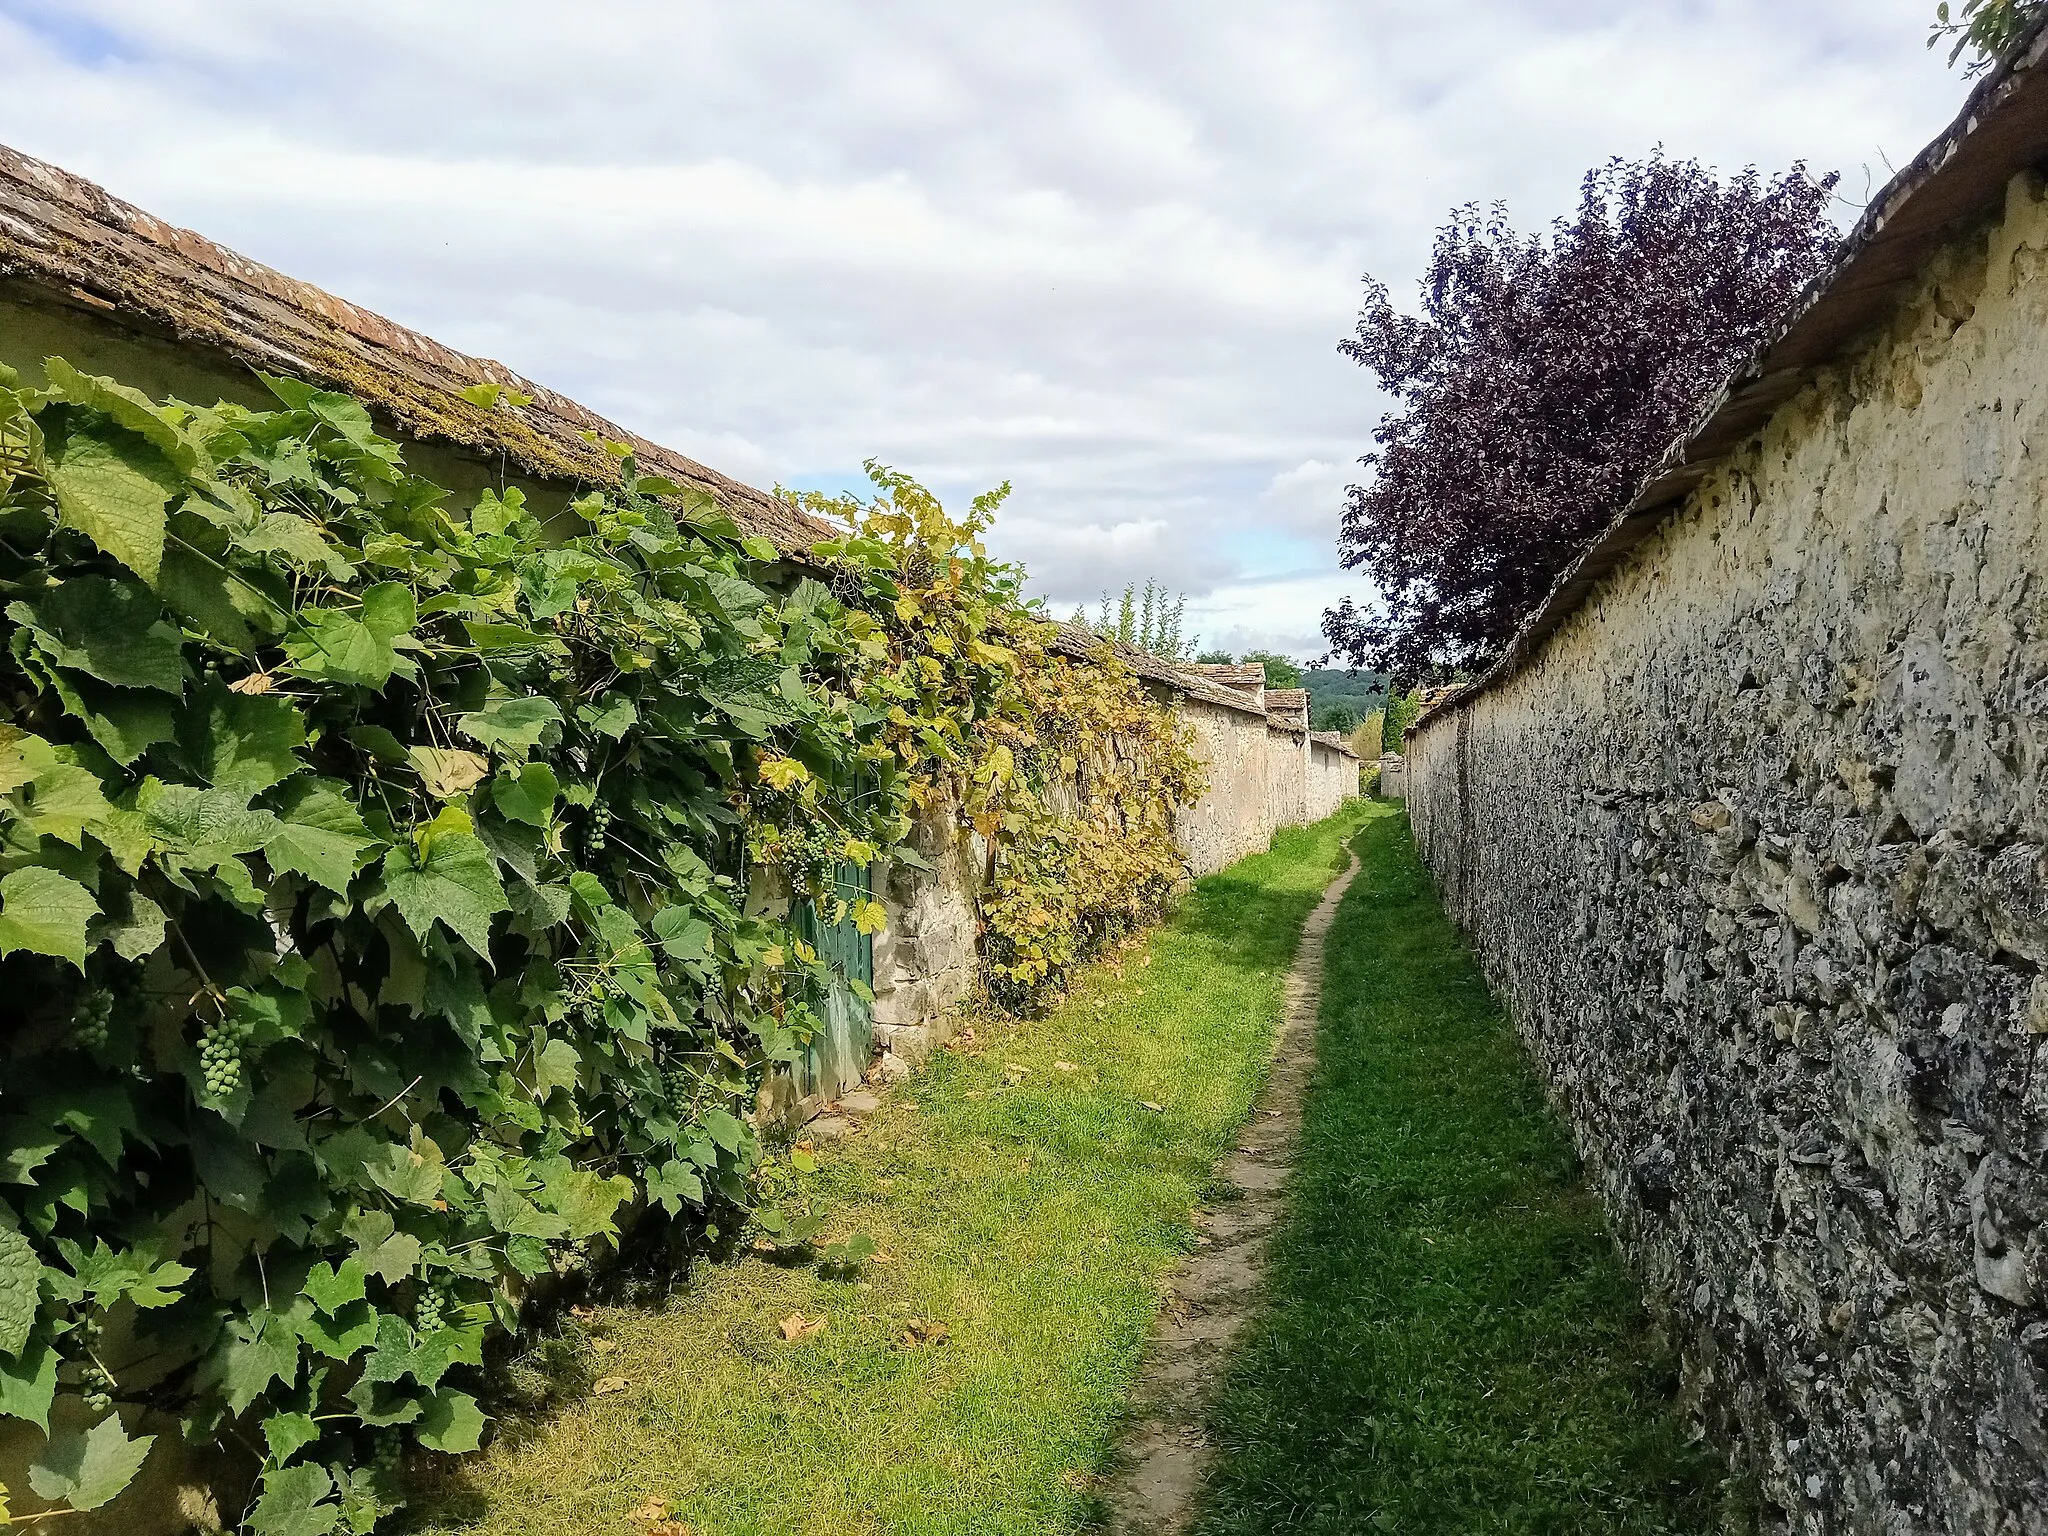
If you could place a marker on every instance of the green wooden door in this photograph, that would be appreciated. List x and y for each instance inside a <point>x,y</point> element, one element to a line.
<point>838,1056</point>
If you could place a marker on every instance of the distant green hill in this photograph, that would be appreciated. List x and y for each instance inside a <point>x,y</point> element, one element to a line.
<point>1360,692</point>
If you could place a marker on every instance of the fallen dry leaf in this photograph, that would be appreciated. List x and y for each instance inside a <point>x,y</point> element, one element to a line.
<point>1065,1066</point>
<point>1157,1109</point>
<point>796,1326</point>
<point>1012,1070</point>
<point>255,682</point>
<point>583,1314</point>
<point>925,1330</point>
<point>653,1509</point>
<point>607,1385</point>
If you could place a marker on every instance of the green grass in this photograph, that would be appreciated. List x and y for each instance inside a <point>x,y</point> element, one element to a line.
<point>1034,1218</point>
<point>1451,1344</point>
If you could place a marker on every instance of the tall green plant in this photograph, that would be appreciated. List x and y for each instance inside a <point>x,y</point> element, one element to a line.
<point>1147,618</point>
<point>372,915</point>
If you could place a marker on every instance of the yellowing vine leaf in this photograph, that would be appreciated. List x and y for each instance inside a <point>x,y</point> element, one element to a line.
<point>446,773</point>
<point>783,772</point>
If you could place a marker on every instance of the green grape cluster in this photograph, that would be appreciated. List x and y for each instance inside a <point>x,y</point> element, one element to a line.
<point>96,1387</point>
<point>89,1024</point>
<point>429,1313</point>
<point>809,855</point>
<point>220,1054</point>
<point>600,826</point>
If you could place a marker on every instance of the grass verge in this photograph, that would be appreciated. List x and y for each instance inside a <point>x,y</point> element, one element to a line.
<point>1450,1343</point>
<point>1029,1193</point>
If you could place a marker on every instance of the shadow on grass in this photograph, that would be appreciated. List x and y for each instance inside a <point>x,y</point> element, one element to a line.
<point>1027,1190</point>
<point>1451,1344</point>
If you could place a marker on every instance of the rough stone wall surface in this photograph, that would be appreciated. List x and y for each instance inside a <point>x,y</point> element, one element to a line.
<point>926,960</point>
<point>1753,847</point>
<point>1235,817</point>
<point>1333,779</point>
<point>1287,774</point>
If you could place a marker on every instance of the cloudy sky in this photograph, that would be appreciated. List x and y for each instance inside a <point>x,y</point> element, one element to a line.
<point>1104,251</point>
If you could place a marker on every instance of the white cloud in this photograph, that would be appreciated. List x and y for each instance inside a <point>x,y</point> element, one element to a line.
<point>1102,251</point>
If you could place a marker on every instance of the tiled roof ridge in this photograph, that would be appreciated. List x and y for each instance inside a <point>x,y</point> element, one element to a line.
<point>88,249</point>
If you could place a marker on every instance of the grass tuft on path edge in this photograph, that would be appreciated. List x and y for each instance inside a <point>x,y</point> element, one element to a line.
<point>1032,1213</point>
<point>1450,1342</point>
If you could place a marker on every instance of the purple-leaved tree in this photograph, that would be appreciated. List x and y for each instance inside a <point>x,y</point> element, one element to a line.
<point>1544,377</point>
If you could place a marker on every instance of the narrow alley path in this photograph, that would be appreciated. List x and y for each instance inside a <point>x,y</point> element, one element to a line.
<point>1163,1456</point>
<point>1450,1342</point>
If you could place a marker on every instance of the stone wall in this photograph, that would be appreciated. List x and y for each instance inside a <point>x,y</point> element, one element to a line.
<point>1287,775</point>
<point>1235,817</point>
<point>1333,779</point>
<point>1753,847</point>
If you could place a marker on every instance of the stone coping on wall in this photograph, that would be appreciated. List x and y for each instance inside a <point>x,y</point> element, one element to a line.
<point>1957,179</point>
<point>1080,643</point>
<point>65,241</point>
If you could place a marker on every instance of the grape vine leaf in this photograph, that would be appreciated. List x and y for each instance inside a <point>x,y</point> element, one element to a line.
<point>452,1423</point>
<point>113,487</point>
<point>287,1434</point>
<point>399,1354</point>
<point>89,1469</point>
<point>405,1175</point>
<point>453,882</point>
<point>102,1113</point>
<point>21,1274</point>
<point>588,1201</point>
<point>673,1184</point>
<point>108,1274</point>
<point>381,1249</point>
<point>241,741</point>
<point>63,801</point>
<point>320,835</point>
<point>300,541</point>
<point>126,722</point>
<point>131,408</point>
<point>295,1501</point>
<point>448,773</point>
<point>45,913</point>
<point>112,630</point>
<point>516,1216</point>
<point>28,1384</point>
<point>513,726</point>
<point>332,1288</point>
<point>682,934</point>
<point>135,931</point>
<point>342,647</point>
<point>259,1351</point>
<point>528,797</point>
<point>556,1065</point>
